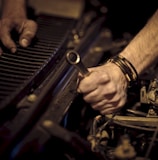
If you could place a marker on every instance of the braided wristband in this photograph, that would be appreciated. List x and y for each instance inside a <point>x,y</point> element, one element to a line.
<point>127,68</point>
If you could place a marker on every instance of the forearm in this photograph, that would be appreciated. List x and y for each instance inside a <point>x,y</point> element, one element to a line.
<point>142,51</point>
<point>13,8</point>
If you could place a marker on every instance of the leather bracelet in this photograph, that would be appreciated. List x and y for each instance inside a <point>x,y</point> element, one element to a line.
<point>127,68</point>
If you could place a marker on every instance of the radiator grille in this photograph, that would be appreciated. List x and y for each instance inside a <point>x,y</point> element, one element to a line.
<point>19,72</point>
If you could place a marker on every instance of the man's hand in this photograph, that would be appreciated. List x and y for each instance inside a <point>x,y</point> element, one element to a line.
<point>14,18</point>
<point>105,88</point>
<point>26,29</point>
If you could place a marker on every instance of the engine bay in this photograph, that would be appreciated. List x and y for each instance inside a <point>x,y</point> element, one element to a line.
<point>48,119</point>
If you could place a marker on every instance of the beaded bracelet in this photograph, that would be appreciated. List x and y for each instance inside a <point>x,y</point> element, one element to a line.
<point>126,67</point>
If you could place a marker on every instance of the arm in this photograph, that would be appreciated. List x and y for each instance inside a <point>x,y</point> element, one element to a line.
<point>106,87</point>
<point>142,51</point>
<point>14,17</point>
<point>12,9</point>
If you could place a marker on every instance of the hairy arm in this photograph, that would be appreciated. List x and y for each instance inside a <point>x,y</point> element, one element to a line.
<point>142,51</point>
<point>106,87</point>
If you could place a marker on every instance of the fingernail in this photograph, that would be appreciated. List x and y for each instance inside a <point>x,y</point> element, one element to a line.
<point>13,50</point>
<point>24,42</point>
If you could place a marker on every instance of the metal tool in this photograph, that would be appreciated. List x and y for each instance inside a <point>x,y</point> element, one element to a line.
<point>74,58</point>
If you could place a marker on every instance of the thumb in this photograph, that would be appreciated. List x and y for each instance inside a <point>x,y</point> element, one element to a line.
<point>28,32</point>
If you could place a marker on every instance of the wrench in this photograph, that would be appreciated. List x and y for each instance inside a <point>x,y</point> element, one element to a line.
<point>74,58</point>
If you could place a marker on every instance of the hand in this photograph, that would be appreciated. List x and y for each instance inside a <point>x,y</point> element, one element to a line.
<point>14,18</point>
<point>105,88</point>
<point>26,29</point>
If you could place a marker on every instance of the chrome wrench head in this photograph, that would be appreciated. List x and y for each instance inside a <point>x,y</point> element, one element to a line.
<point>74,59</point>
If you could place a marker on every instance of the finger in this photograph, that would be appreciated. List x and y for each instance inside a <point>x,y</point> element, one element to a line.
<point>109,110</point>
<point>104,104</point>
<point>7,40</point>
<point>113,107</point>
<point>91,83</point>
<point>102,92</point>
<point>85,91</point>
<point>85,86</point>
<point>28,32</point>
<point>116,102</point>
<point>100,105</point>
<point>79,78</point>
<point>1,51</point>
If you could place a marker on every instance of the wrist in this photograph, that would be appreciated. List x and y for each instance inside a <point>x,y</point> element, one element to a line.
<point>127,69</point>
<point>14,9</point>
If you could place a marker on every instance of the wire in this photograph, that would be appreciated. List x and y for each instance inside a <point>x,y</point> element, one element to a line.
<point>151,143</point>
